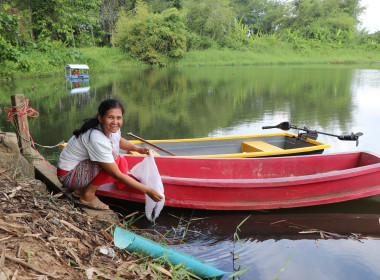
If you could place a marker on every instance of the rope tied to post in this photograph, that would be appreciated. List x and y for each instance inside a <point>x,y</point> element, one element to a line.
<point>28,111</point>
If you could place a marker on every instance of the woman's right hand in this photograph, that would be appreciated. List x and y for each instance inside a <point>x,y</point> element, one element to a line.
<point>154,195</point>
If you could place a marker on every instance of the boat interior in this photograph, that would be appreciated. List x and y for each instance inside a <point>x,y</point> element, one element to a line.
<point>217,146</point>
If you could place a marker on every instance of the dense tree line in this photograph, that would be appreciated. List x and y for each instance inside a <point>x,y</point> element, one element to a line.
<point>158,30</point>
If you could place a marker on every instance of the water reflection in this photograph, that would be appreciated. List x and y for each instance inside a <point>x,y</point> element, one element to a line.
<point>76,86</point>
<point>187,103</point>
<point>215,101</point>
<point>338,241</point>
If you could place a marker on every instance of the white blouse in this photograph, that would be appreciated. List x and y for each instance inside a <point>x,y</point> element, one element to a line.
<point>93,145</point>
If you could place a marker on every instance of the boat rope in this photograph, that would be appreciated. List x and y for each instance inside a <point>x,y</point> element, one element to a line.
<point>50,147</point>
<point>29,112</point>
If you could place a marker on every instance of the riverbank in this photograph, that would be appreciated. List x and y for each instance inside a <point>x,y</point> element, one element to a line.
<point>44,236</point>
<point>113,59</point>
<point>280,55</point>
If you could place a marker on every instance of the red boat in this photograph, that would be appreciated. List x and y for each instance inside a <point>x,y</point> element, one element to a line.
<point>260,183</point>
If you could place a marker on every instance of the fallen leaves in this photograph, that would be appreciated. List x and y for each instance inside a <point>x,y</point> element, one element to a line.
<point>45,237</point>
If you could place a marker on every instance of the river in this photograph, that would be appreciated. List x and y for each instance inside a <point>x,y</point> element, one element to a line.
<point>339,241</point>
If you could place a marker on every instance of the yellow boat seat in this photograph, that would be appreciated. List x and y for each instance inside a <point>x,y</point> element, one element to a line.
<point>258,146</point>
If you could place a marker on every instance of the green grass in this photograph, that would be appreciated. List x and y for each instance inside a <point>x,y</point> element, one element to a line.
<point>277,56</point>
<point>105,59</point>
<point>99,59</point>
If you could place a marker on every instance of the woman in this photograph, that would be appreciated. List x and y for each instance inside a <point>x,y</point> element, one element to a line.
<point>91,157</point>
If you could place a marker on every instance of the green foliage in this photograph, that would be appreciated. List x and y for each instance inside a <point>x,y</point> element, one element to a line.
<point>47,45</point>
<point>261,15</point>
<point>38,34</point>
<point>316,19</point>
<point>235,255</point>
<point>209,17</point>
<point>237,36</point>
<point>10,55</point>
<point>64,20</point>
<point>55,54</point>
<point>153,38</point>
<point>9,26</point>
<point>196,41</point>
<point>376,37</point>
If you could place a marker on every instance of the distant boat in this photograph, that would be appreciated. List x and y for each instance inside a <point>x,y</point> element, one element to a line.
<point>76,71</point>
<point>260,183</point>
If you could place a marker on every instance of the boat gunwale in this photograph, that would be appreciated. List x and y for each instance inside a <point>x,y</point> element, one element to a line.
<point>281,181</point>
<point>291,135</point>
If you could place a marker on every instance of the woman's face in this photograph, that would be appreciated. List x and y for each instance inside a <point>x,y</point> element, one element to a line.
<point>111,121</point>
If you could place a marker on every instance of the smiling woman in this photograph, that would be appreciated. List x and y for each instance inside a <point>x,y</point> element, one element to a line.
<point>111,121</point>
<point>91,157</point>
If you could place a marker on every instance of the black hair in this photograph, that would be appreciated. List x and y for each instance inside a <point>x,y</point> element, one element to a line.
<point>102,109</point>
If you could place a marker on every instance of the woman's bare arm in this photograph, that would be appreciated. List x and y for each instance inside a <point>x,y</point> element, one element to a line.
<point>128,146</point>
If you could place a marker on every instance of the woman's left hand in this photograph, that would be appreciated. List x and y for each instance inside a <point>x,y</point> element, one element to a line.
<point>143,150</point>
<point>154,195</point>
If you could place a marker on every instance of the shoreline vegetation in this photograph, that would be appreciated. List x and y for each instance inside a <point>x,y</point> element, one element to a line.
<point>108,59</point>
<point>37,40</point>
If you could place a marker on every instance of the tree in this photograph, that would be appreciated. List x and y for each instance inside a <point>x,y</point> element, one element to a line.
<point>209,17</point>
<point>323,19</point>
<point>151,37</point>
<point>64,20</point>
<point>10,39</point>
<point>261,15</point>
<point>109,10</point>
<point>376,36</point>
<point>158,6</point>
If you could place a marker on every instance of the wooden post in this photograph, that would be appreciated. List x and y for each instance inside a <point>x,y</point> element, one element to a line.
<point>21,124</point>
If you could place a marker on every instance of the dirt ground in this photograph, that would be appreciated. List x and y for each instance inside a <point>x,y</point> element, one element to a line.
<point>43,236</point>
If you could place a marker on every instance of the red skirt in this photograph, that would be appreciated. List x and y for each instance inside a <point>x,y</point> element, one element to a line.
<point>104,178</point>
<point>89,172</point>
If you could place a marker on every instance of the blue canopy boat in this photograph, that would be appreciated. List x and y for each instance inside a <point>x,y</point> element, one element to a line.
<point>76,71</point>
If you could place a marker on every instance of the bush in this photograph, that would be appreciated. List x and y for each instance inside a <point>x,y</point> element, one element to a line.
<point>153,38</point>
<point>197,42</point>
<point>10,37</point>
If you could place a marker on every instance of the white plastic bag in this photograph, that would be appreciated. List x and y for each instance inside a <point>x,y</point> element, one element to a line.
<point>147,172</point>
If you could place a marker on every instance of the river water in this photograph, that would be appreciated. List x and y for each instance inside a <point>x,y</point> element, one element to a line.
<point>339,241</point>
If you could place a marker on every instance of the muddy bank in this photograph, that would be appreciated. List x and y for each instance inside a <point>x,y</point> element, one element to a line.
<point>44,236</point>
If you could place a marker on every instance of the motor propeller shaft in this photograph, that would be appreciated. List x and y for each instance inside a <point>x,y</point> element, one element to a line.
<point>287,125</point>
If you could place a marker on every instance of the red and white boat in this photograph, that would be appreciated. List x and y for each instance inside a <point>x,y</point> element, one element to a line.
<point>260,183</point>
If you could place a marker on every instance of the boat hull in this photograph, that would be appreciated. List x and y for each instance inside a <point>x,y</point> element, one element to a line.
<point>77,77</point>
<point>260,183</point>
